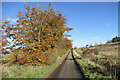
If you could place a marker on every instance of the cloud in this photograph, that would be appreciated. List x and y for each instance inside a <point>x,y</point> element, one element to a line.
<point>12,20</point>
<point>8,19</point>
<point>91,40</point>
<point>83,40</point>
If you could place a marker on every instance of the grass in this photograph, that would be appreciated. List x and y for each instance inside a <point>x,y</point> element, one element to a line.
<point>17,71</point>
<point>90,70</point>
<point>105,59</point>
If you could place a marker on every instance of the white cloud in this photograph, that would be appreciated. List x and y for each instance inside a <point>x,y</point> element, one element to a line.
<point>91,40</point>
<point>83,40</point>
<point>8,18</point>
<point>14,20</point>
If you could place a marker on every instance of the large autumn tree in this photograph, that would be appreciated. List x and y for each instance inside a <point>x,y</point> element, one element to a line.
<point>36,35</point>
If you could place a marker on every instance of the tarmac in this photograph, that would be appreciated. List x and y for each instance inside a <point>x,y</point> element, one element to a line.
<point>69,69</point>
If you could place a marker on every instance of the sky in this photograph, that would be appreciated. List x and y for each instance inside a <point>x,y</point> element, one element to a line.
<point>92,22</point>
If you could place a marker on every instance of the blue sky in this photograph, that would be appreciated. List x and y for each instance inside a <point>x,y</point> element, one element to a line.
<point>93,22</point>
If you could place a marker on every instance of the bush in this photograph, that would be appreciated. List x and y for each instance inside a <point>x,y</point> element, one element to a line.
<point>85,52</point>
<point>96,52</point>
<point>75,47</point>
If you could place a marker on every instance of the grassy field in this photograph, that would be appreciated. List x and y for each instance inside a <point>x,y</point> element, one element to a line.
<point>100,61</point>
<point>21,71</point>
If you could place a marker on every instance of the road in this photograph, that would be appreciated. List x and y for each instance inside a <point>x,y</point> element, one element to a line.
<point>69,69</point>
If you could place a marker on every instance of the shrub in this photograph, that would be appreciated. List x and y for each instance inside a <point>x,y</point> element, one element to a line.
<point>75,47</point>
<point>96,52</point>
<point>85,52</point>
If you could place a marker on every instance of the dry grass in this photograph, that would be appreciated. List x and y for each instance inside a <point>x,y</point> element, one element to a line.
<point>107,57</point>
<point>28,71</point>
<point>109,50</point>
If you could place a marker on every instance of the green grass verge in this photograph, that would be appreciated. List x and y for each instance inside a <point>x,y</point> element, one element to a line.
<point>89,70</point>
<point>17,71</point>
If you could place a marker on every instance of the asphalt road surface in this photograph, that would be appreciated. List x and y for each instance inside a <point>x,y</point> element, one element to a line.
<point>69,69</point>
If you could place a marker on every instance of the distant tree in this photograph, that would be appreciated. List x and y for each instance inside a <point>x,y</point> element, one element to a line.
<point>96,44</point>
<point>87,45</point>
<point>91,45</point>
<point>116,39</point>
<point>75,47</point>
<point>109,41</point>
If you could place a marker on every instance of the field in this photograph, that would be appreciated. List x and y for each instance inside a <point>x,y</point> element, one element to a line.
<point>28,71</point>
<point>100,61</point>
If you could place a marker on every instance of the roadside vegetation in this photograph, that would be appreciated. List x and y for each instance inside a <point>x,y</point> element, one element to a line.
<point>31,71</point>
<point>35,44</point>
<point>99,61</point>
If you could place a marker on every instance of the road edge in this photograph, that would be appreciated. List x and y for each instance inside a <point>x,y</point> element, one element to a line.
<point>52,73</point>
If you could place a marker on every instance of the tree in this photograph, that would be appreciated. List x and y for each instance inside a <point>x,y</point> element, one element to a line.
<point>91,45</point>
<point>116,39</point>
<point>75,47</point>
<point>109,41</point>
<point>87,45</point>
<point>5,35</point>
<point>36,34</point>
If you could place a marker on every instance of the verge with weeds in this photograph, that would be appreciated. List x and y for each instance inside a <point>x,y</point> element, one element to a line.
<point>90,70</point>
<point>29,71</point>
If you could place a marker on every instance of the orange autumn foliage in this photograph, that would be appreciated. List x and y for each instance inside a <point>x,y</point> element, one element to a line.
<point>37,35</point>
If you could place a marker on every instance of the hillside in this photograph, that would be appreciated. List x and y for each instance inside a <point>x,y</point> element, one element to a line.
<point>104,57</point>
